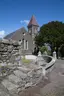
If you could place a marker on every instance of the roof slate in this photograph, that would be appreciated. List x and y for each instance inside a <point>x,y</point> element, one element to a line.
<point>33,22</point>
<point>17,35</point>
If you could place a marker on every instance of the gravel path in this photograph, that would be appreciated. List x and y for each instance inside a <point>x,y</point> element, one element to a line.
<point>53,86</point>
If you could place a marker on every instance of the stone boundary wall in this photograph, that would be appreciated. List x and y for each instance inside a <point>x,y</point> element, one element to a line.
<point>51,63</point>
<point>9,51</point>
<point>17,78</point>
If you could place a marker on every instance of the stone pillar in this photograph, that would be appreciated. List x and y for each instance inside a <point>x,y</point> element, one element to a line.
<point>54,55</point>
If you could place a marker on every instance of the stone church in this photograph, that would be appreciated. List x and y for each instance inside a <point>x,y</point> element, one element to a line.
<point>26,38</point>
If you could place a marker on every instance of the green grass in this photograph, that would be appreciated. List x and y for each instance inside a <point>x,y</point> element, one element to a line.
<point>24,60</point>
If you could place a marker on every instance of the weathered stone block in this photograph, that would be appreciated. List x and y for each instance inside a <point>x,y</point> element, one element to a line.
<point>14,79</point>
<point>24,70</point>
<point>7,84</point>
<point>20,74</point>
<point>28,84</point>
<point>2,93</point>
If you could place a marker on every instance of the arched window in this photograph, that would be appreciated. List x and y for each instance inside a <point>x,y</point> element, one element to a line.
<point>23,43</point>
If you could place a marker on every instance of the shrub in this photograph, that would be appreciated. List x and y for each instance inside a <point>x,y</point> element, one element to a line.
<point>49,52</point>
<point>43,49</point>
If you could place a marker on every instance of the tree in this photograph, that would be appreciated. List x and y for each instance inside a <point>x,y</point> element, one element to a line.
<point>52,33</point>
<point>62,50</point>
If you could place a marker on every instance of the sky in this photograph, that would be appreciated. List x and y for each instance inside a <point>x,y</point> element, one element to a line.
<point>15,14</point>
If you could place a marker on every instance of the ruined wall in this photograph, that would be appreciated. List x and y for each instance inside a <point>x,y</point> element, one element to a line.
<point>9,51</point>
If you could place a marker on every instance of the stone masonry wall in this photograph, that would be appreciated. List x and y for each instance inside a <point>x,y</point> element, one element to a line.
<point>9,51</point>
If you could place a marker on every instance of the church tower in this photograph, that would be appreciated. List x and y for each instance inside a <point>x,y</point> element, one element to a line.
<point>33,27</point>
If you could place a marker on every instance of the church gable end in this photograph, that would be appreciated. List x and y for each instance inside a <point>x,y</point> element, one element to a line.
<point>25,38</point>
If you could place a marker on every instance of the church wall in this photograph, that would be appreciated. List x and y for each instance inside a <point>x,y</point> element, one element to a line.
<point>30,42</point>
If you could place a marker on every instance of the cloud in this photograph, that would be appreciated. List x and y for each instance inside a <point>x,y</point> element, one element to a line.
<point>2,33</point>
<point>24,21</point>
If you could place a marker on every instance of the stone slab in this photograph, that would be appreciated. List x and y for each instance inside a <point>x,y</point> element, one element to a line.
<point>7,84</point>
<point>28,85</point>
<point>2,93</point>
<point>14,78</point>
<point>20,74</point>
<point>25,70</point>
